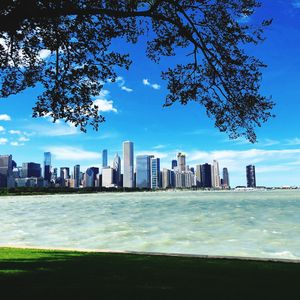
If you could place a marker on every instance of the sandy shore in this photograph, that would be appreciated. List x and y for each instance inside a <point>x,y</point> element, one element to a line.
<point>245,258</point>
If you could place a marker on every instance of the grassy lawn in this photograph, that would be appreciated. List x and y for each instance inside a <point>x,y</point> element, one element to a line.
<point>45,274</point>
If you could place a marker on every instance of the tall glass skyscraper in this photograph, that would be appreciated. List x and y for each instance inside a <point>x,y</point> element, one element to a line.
<point>31,170</point>
<point>128,176</point>
<point>251,178</point>
<point>206,176</point>
<point>89,178</point>
<point>76,176</point>
<point>143,171</point>
<point>155,173</point>
<point>117,170</point>
<point>104,158</point>
<point>225,178</point>
<point>47,166</point>
<point>174,164</point>
<point>6,178</point>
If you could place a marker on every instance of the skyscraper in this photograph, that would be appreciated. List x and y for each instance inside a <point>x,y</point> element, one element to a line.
<point>251,178</point>
<point>117,170</point>
<point>181,162</point>
<point>128,176</point>
<point>198,176</point>
<point>6,176</point>
<point>143,171</point>
<point>31,170</point>
<point>64,175</point>
<point>174,164</point>
<point>225,178</point>
<point>206,175</point>
<point>104,158</point>
<point>76,176</point>
<point>166,178</point>
<point>108,177</point>
<point>47,166</point>
<point>215,174</point>
<point>89,178</point>
<point>155,173</point>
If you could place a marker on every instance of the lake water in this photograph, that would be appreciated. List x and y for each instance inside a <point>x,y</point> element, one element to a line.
<point>257,224</point>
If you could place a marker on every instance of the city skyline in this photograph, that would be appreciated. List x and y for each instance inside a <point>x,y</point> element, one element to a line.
<point>112,160</point>
<point>133,110</point>
<point>146,175</point>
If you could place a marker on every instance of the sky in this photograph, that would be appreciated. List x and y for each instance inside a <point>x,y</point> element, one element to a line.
<point>133,108</point>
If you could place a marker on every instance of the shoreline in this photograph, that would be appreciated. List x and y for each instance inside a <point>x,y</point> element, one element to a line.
<point>86,192</point>
<point>165,254</point>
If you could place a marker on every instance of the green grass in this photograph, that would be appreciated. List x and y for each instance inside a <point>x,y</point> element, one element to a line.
<point>46,274</point>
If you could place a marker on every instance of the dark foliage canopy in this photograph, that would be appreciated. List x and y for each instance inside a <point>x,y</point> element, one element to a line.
<point>219,73</point>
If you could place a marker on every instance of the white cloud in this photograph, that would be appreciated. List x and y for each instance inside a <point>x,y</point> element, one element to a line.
<point>126,89</point>
<point>16,144</point>
<point>155,153</point>
<point>57,129</point>
<point>105,105</point>
<point>2,128</point>
<point>154,85</point>
<point>121,82</point>
<point>73,153</point>
<point>5,117</point>
<point>146,82</point>
<point>44,53</point>
<point>159,147</point>
<point>23,139</point>
<point>15,132</point>
<point>293,142</point>
<point>3,141</point>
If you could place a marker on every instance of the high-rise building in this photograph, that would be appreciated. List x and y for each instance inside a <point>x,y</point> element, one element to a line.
<point>6,176</point>
<point>64,175</point>
<point>198,176</point>
<point>104,158</point>
<point>206,177</point>
<point>117,170</point>
<point>251,178</point>
<point>172,179</point>
<point>143,176</point>
<point>174,164</point>
<point>76,176</point>
<point>96,173</point>
<point>54,175</point>
<point>166,178</point>
<point>108,177</point>
<point>89,178</point>
<point>181,162</point>
<point>225,182</point>
<point>155,172</point>
<point>188,179</point>
<point>47,166</point>
<point>179,179</point>
<point>31,169</point>
<point>215,174</point>
<point>128,176</point>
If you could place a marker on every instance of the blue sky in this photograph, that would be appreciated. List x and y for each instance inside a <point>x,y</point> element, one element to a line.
<point>133,110</point>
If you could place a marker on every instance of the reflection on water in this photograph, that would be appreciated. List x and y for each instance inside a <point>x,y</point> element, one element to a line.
<point>261,224</point>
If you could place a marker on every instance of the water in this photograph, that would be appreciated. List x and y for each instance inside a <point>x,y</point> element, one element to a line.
<point>257,224</point>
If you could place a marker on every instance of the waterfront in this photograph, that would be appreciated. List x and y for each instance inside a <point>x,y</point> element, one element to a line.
<point>256,224</point>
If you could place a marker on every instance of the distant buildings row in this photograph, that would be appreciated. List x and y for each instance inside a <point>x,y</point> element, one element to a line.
<point>147,173</point>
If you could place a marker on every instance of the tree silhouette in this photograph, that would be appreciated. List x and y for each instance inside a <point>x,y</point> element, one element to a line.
<point>78,35</point>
